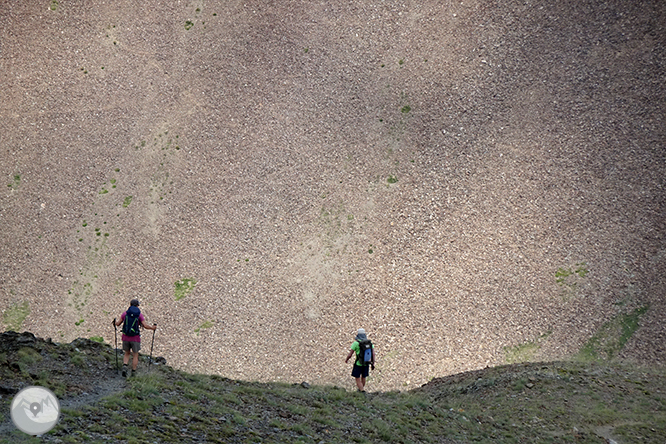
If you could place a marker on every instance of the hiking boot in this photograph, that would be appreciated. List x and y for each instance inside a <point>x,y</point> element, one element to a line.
<point>124,371</point>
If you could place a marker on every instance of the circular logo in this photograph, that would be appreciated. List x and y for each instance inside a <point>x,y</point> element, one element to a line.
<point>35,410</point>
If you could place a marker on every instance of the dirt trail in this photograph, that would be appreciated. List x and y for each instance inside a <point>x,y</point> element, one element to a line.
<point>29,360</point>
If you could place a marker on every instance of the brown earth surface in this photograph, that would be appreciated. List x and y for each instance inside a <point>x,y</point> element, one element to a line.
<point>419,169</point>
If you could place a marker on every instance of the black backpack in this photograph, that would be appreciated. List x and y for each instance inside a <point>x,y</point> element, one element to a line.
<point>365,354</point>
<point>131,325</point>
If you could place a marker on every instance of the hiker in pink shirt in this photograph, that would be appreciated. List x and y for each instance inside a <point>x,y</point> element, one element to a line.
<point>131,319</point>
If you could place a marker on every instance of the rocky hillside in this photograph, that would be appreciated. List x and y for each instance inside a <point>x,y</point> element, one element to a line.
<point>474,183</point>
<point>522,403</point>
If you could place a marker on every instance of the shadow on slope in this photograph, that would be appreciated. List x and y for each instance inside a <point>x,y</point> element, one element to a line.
<point>535,402</point>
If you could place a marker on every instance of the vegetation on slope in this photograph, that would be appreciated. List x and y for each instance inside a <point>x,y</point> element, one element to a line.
<point>581,402</point>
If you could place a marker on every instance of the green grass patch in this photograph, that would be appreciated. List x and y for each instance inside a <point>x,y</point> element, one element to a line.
<point>28,355</point>
<point>206,324</point>
<point>183,287</point>
<point>521,353</point>
<point>562,274</point>
<point>15,315</point>
<point>611,337</point>
<point>16,182</point>
<point>519,403</point>
<point>524,352</point>
<point>78,360</point>
<point>581,269</point>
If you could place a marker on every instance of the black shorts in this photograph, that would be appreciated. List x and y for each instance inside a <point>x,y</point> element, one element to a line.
<point>360,371</point>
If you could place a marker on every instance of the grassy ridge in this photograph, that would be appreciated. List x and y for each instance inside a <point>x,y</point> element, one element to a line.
<point>521,403</point>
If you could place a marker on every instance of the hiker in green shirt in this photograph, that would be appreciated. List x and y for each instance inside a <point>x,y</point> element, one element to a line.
<point>365,358</point>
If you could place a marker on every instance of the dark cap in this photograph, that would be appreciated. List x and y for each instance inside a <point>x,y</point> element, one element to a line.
<point>135,302</point>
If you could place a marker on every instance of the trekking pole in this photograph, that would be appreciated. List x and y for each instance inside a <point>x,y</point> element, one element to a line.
<point>115,329</point>
<point>150,360</point>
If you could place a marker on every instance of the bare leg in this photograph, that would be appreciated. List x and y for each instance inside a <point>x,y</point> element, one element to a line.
<point>135,361</point>
<point>360,383</point>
